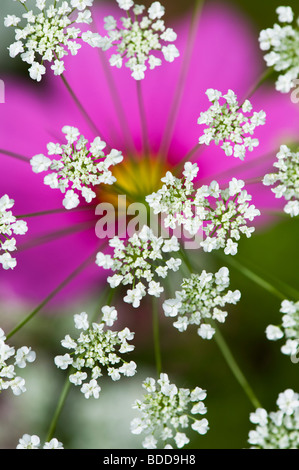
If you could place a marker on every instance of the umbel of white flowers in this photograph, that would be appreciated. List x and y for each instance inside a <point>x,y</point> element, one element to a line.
<point>79,166</point>
<point>167,412</point>
<point>230,124</point>
<point>8,377</point>
<point>289,328</point>
<point>50,34</point>
<point>9,225</point>
<point>221,214</point>
<point>138,262</point>
<point>279,429</point>
<point>286,179</point>
<point>200,301</point>
<point>282,43</point>
<point>97,348</point>
<point>33,442</point>
<point>137,36</point>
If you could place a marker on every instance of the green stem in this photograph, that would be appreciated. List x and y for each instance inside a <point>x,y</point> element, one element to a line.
<point>231,362</point>
<point>156,335</point>
<point>118,104</point>
<point>15,155</point>
<point>253,276</point>
<point>59,408</point>
<point>53,236</point>
<point>143,120</point>
<point>186,259</point>
<point>178,168</point>
<point>265,75</point>
<point>180,87</point>
<point>275,213</point>
<point>81,107</point>
<point>54,211</point>
<point>25,6</point>
<point>67,384</point>
<point>235,368</point>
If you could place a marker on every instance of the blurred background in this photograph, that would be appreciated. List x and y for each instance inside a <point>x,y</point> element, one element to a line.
<point>188,360</point>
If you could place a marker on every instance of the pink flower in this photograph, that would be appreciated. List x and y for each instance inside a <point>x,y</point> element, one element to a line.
<point>225,56</point>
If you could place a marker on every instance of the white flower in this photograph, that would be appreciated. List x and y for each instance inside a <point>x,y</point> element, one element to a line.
<point>97,348</point>
<point>175,200</point>
<point>78,165</point>
<point>156,11</point>
<point>165,411</point>
<point>137,37</point>
<point>23,355</point>
<point>7,261</point>
<point>49,35</point>
<point>286,179</point>
<point>40,163</point>
<point>29,442</point>
<point>9,225</point>
<point>273,332</point>
<point>200,299</point>
<point>81,321</point>
<point>15,49</point>
<point>288,329</point>
<point>181,439</point>
<point>201,426</point>
<point>128,369</point>
<point>91,389</point>
<point>125,4</point>
<point>282,42</point>
<point>17,386</point>
<point>109,315</point>
<point>285,14</point>
<point>227,123</point>
<point>71,200</point>
<point>221,214</point>
<point>170,52</point>
<point>279,429</point>
<point>171,307</point>
<point>33,442</point>
<point>137,262</point>
<point>288,401</point>
<point>8,377</point>
<point>53,444</point>
<point>206,331</point>
<point>63,362</point>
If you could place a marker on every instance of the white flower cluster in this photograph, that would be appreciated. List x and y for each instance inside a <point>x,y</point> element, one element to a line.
<point>139,260</point>
<point>79,166</point>
<point>200,300</point>
<point>282,42</point>
<point>166,412</point>
<point>288,178</point>
<point>49,34</point>
<point>8,377</point>
<point>137,37</point>
<point>96,348</point>
<point>227,123</point>
<point>227,220</point>
<point>33,442</point>
<point>175,200</point>
<point>288,329</point>
<point>279,429</point>
<point>222,221</point>
<point>9,225</point>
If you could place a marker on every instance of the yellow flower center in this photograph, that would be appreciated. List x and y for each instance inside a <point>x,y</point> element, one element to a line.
<point>135,179</point>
